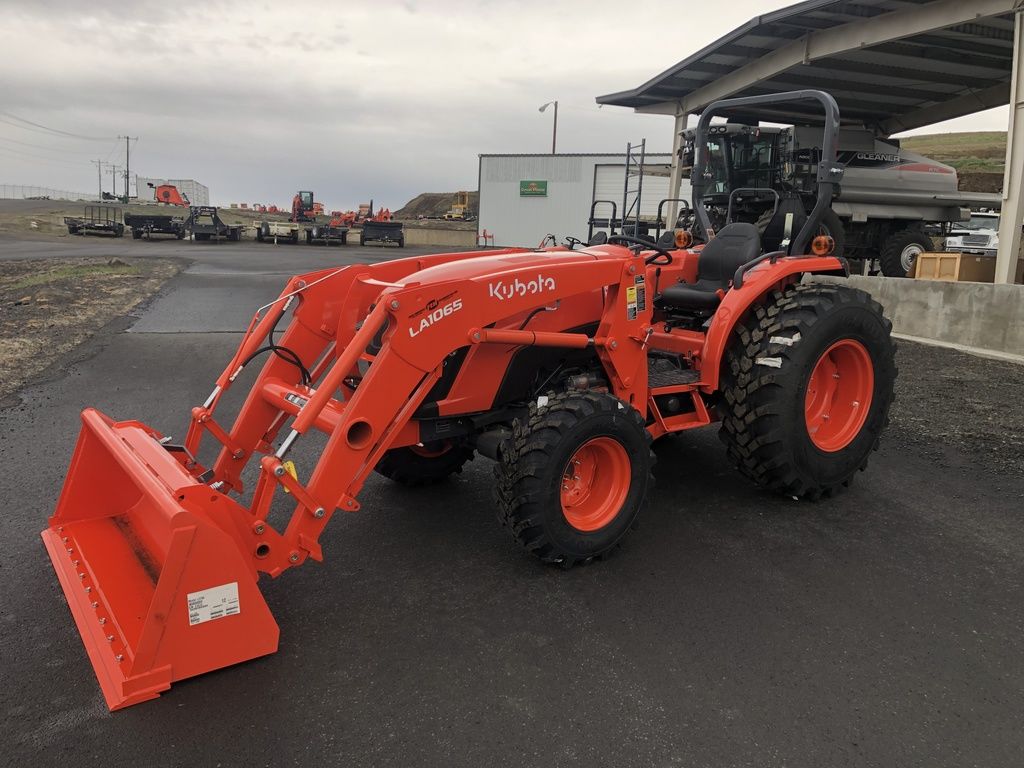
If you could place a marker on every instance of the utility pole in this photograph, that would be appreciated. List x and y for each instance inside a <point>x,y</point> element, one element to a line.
<point>99,177</point>
<point>114,169</point>
<point>127,164</point>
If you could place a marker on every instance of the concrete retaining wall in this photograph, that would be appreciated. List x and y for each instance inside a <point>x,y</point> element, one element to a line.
<point>969,314</point>
<point>457,238</point>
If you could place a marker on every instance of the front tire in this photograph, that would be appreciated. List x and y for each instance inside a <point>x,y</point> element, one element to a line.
<point>807,384</point>
<point>574,477</point>
<point>424,464</point>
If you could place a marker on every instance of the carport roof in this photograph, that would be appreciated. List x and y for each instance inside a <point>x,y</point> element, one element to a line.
<point>891,64</point>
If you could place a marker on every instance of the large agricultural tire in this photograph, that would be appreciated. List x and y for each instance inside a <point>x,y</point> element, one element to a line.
<point>795,381</point>
<point>426,464</point>
<point>574,477</point>
<point>901,249</point>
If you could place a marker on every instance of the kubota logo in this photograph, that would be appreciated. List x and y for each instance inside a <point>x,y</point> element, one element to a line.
<point>502,290</point>
<point>434,315</point>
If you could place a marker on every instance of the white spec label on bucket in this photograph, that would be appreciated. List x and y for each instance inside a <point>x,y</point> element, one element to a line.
<point>213,603</point>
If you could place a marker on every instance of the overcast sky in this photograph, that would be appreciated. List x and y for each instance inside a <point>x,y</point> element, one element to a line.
<point>352,100</point>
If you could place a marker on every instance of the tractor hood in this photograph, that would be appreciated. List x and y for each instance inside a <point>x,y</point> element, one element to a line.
<point>509,262</point>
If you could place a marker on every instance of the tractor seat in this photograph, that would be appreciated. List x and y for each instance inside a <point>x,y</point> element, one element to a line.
<point>599,238</point>
<point>730,249</point>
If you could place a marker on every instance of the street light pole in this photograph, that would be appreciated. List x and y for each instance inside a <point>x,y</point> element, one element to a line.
<point>554,125</point>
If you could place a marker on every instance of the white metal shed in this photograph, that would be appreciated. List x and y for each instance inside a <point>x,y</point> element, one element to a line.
<point>523,198</point>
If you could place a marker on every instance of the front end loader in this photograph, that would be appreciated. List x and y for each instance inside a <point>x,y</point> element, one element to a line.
<point>561,365</point>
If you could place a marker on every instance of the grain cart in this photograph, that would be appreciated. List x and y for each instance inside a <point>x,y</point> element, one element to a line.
<point>559,365</point>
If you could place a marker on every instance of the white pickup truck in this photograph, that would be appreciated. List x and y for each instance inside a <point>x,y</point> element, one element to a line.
<point>979,235</point>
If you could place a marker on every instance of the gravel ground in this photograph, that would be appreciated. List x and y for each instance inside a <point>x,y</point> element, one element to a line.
<point>50,306</point>
<point>948,399</point>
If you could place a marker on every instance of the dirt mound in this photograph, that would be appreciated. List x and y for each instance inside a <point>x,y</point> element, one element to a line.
<point>977,181</point>
<point>434,205</point>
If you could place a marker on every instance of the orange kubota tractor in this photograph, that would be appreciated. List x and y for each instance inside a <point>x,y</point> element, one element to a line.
<point>560,365</point>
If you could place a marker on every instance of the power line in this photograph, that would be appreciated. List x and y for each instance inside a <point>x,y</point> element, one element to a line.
<point>54,130</point>
<point>19,153</point>
<point>50,149</point>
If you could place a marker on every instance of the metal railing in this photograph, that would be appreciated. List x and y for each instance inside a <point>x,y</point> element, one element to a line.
<point>28,192</point>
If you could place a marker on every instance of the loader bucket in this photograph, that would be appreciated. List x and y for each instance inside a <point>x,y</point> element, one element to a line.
<point>158,591</point>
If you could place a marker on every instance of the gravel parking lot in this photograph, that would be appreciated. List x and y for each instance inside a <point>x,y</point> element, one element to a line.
<point>734,628</point>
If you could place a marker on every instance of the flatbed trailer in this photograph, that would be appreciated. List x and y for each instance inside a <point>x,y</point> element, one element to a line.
<point>204,223</point>
<point>328,234</point>
<point>145,225</point>
<point>96,220</point>
<point>275,232</point>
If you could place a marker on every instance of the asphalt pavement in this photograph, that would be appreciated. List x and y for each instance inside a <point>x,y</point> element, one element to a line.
<point>734,628</point>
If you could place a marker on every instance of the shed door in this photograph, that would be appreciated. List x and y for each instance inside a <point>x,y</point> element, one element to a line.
<point>608,185</point>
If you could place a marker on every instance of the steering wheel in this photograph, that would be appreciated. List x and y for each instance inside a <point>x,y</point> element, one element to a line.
<point>649,245</point>
<point>572,242</point>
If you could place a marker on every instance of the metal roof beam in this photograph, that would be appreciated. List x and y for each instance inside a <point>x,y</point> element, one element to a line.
<point>853,36</point>
<point>995,96</point>
<point>915,51</point>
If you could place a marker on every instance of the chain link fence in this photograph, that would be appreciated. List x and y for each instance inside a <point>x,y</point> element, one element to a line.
<point>25,192</point>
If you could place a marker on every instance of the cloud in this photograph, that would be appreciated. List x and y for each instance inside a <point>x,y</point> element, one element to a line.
<point>381,100</point>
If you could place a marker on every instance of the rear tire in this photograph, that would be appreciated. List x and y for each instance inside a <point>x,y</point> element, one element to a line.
<point>574,477</point>
<point>424,465</point>
<point>901,249</point>
<point>794,382</point>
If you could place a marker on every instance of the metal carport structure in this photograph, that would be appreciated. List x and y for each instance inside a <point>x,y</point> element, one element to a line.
<point>893,65</point>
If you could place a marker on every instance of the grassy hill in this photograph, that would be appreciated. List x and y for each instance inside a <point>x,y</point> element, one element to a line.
<point>981,151</point>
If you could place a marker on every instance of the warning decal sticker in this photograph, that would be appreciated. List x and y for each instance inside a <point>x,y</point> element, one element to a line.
<point>213,603</point>
<point>631,302</point>
<point>641,293</point>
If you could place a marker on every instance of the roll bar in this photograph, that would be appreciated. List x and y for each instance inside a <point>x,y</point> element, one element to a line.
<point>830,171</point>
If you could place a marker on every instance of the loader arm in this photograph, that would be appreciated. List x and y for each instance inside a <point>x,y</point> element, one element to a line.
<point>428,308</point>
<point>157,555</point>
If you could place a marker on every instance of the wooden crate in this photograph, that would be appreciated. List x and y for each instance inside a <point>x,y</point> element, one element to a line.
<point>953,267</point>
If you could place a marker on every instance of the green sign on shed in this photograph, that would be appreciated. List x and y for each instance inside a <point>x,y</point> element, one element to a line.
<point>533,188</point>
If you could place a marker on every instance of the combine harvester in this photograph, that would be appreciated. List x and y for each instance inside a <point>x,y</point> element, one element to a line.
<point>561,365</point>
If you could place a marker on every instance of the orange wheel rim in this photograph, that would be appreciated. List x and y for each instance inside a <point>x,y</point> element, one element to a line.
<point>595,483</point>
<point>839,394</point>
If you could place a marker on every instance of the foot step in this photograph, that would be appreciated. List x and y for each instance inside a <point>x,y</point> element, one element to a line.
<point>662,373</point>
